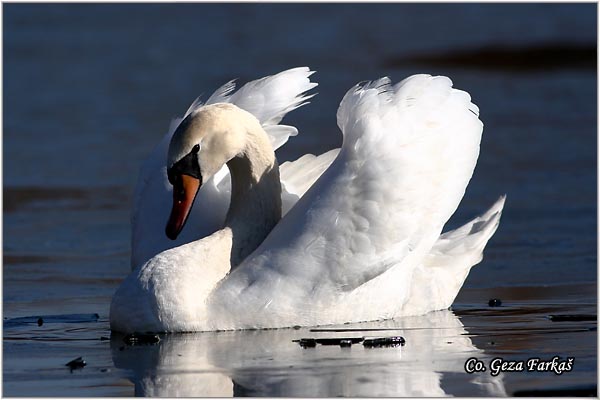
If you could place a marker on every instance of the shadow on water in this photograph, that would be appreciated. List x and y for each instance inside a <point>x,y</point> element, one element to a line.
<point>73,198</point>
<point>543,57</point>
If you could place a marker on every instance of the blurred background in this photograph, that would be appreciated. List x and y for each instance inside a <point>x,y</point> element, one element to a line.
<point>90,89</point>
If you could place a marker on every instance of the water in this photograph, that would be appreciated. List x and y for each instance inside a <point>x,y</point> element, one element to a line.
<point>89,90</point>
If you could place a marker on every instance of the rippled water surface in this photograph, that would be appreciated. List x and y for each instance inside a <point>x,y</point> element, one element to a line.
<point>90,89</point>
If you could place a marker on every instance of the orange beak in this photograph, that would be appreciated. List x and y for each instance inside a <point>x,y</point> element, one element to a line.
<point>184,193</point>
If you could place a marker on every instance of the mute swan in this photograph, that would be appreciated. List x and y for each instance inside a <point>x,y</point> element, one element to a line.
<point>361,240</point>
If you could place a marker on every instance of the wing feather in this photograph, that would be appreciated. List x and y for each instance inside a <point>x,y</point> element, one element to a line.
<point>269,99</point>
<point>408,153</point>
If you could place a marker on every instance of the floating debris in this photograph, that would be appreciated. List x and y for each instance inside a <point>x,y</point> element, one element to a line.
<point>305,343</point>
<point>344,342</point>
<point>77,363</point>
<point>338,341</point>
<point>391,341</point>
<point>573,317</point>
<point>141,338</point>
<point>495,303</point>
<point>47,319</point>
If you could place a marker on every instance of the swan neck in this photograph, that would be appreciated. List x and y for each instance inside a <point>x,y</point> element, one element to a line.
<point>255,206</point>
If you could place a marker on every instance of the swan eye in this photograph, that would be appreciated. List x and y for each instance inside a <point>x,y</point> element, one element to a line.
<point>196,149</point>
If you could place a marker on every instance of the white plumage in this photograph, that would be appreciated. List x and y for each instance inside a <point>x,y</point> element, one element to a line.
<point>268,99</point>
<point>361,240</point>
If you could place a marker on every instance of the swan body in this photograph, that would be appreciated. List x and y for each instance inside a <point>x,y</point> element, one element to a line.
<point>360,238</point>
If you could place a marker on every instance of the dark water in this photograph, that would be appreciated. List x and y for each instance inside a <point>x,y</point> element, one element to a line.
<point>90,89</point>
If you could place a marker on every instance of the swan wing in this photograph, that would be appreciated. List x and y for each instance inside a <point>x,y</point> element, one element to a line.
<point>268,99</point>
<point>299,175</point>
<point>408,153</point>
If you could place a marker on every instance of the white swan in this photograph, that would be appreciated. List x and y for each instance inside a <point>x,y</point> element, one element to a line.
<point>361,243</point>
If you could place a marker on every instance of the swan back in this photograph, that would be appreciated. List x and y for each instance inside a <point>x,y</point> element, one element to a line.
<point>409,151</point>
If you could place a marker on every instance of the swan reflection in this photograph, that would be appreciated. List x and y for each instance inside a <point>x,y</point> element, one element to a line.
<point>268,363</point>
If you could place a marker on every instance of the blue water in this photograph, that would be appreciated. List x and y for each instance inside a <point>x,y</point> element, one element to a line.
<point>90,89</point>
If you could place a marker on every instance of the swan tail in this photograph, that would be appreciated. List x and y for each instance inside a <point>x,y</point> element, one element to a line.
<point>444,270</point>
<point>487,222</point>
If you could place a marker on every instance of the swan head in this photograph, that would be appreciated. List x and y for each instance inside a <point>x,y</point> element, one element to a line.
<point>202,143</point>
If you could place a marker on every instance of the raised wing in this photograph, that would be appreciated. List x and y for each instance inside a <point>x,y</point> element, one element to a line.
<point>268,99</point>
<point>299,175</point>
<point>408,154</point>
